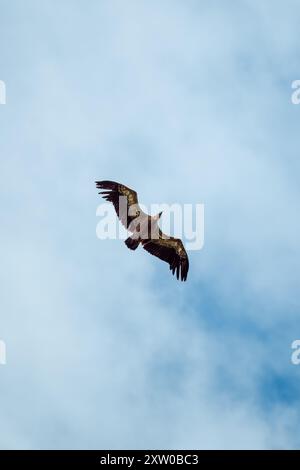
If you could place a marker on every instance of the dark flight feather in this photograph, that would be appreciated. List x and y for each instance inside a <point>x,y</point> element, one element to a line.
<point>113,192</point>
<point>172,251</point>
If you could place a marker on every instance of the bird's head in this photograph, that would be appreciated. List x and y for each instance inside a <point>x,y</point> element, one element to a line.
<point>158,216</point>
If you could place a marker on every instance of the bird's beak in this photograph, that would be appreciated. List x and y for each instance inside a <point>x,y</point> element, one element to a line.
<point>159,215</point>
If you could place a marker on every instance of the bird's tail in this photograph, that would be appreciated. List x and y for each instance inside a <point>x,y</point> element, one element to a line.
<point>132,243</point>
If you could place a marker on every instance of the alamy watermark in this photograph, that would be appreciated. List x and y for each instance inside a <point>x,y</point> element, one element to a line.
<point>2,92</point>
<point>295,357</point>
<point>295,98</point>
<point>2,353</point>
<point>185,221</point>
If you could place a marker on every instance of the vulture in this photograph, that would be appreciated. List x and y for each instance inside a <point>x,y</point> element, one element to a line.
<point>144,228</point>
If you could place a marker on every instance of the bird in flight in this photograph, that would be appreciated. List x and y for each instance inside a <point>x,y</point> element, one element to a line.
<point>144,228</point>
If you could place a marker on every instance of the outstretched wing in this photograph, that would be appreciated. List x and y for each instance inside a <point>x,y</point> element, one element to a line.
<point>172,251</point>
<point>126,207</point>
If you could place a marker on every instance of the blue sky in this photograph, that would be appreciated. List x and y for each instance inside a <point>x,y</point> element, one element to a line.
<point>186,102</point>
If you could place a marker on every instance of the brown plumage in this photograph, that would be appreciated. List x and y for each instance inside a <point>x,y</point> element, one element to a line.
<point>144,228</point>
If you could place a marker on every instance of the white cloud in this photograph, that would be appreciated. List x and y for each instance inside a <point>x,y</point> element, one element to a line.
<point>186,104</point>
